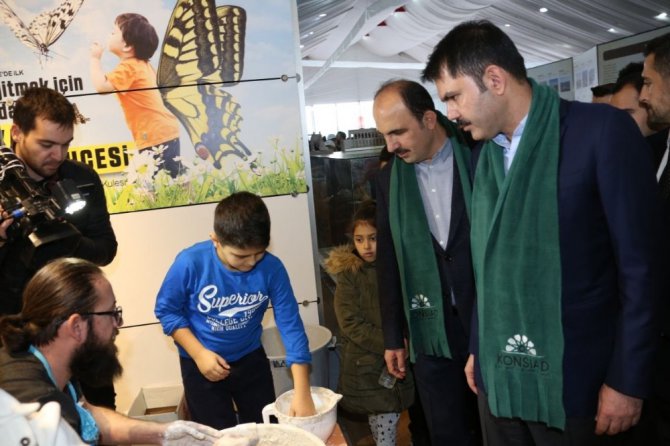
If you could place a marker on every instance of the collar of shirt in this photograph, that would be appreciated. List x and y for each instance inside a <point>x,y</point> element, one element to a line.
<point>509,147</point>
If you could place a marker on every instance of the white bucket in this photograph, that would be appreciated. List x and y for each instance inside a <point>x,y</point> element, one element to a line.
<point>318,338</point>
<point>321,424</point>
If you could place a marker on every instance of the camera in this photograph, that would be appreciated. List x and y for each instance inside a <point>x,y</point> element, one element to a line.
<point>38,212</point>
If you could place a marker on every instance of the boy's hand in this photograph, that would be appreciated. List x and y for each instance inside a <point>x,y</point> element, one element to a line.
<point>212,366</point>
<point>302,405</point>
<point>96,50</point>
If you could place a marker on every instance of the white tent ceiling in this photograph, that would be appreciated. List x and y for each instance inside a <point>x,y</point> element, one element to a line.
<point>350,46</point>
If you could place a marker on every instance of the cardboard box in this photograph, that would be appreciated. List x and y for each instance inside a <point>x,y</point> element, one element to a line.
<point>160,404</point>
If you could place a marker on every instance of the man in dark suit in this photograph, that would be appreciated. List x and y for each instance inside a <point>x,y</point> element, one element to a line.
<point>423,263</point>
<point>564,238</point>
<point>655,95</point>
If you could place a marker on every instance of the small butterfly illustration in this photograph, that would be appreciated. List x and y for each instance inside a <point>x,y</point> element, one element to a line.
<point>45,29</point>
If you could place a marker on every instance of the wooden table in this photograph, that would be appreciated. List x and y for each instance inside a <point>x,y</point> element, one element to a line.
<point>336,438</point>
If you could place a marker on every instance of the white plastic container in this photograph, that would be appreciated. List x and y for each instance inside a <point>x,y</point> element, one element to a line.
<point>321,424</point>
<point>318,337</point>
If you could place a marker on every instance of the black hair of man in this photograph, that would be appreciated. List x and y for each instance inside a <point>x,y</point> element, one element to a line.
<point>242,220</point>
<point>138,33</point>
<point>660,48</point>
<point>631,74</point>
<point>469,48</point>
<point>414,95</point>
<point>602,90</point>
<point>45,103</point>
<point>58,290</point>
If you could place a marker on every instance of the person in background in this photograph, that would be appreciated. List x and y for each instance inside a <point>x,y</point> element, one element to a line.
<point>626,96</point>
<point>424,268</point>
<point>340,137</point>
<point>65,332</point>
<point>564,245</point>
<point>212,303</point>
<point>655,95</point>
<point>364,382</point>
<point>41,132</point>
<point>152,125</point>
<point>602,93</point>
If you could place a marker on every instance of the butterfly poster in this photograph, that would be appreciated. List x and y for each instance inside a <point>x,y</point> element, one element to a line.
<point>178,101</point>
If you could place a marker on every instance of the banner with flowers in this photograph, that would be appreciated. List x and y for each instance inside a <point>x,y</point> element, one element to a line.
<point>210,108</point>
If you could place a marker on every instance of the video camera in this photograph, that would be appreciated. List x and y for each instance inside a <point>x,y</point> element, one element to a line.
<point>37,214</point>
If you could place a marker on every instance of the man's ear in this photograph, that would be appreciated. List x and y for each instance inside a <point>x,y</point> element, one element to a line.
<point>495,79</point>
<point>75,327</point>
<point>16,133</point>
<point>429,119</point>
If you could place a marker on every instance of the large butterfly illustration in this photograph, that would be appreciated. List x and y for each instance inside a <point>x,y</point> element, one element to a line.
<point>203,50</point>
<point>45,29</point>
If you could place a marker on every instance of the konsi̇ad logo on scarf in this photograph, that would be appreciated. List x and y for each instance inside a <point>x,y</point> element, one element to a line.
<point>229,306</point>
<point>521,353</point>
<point>421,307</point>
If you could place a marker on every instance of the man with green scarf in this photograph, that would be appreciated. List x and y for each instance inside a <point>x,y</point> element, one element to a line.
<point>424,267</point>
<point>564,217</point>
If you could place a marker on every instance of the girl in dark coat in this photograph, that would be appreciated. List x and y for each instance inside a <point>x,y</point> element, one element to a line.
<point>358,315</point>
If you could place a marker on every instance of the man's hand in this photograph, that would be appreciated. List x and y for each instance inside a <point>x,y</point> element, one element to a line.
<point>211,365</point>
<point>183,433</point>
<point>395,362</point>
<point>616,412</point>
<point>4,224</point>
<point>470,373</point>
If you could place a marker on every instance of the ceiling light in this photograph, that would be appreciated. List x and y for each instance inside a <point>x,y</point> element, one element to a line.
<point>507,25</point>
<point>311,33</point>
<point>612,30</point>
<point>662,16</point>
<point>302,46</point>
<point>322,15</point>
<point>543,10</point>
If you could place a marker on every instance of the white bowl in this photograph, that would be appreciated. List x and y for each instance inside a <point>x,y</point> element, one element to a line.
<point>268,435</point>
<point>321,424</point>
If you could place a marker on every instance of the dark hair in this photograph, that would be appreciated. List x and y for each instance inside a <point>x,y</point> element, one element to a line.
<point>471,47</point>
<point>631,74</point>
<point>242,220</point>
<point>366,213</point>
<point>61,288</point>
<point>384,155</point>
<point>602,90</point>
<point>414,95</point>
<point>138,33</point>
<point>660,48</point>
<point>42,102</point>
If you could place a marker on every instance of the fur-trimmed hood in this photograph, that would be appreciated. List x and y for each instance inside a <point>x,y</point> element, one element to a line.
<point>343,258</point>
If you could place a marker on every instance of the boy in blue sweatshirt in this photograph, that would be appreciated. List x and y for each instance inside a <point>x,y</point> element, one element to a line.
<point>212,302</point>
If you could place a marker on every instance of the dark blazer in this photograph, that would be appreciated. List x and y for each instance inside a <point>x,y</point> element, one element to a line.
<point>608,229</point>
<point>454,265</point>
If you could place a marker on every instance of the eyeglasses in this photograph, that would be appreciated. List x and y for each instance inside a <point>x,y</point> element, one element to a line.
<point>117,313</point>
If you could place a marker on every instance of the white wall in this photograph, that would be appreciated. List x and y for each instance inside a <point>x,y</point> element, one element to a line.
<point>149,242</point>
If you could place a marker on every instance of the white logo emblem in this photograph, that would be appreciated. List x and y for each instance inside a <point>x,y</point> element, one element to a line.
<point>420,301</point>
<point>520,344</point>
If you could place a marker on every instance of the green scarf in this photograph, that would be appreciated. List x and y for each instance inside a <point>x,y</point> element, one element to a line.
<point>516,255</point>
<point>419,276</point>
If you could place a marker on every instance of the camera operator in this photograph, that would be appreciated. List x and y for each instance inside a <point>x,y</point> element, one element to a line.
<point>42,130</point>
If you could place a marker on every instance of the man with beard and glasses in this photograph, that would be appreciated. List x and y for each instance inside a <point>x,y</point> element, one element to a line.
<point>65,334</point>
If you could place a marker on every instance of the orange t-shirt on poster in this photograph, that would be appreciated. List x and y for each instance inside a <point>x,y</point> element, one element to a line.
<point>149,121</point>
